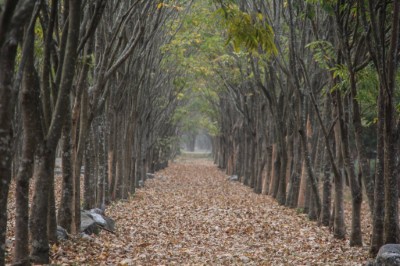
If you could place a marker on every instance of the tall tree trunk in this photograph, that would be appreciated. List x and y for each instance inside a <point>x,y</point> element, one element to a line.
<point>391,222</point>
<point>31,137</point>
<point>268,170</point>
<point>88,175</point>
<point>362,157</point>
<point>78,150</point>
<point>101,181</point>
<point>307,158</point>
<point>7,56</point>
<point>65,212</point>
<point>51,215</point>
<point>281,195</point>
<point>339,229</point>
<point>379,193</point>
<point>296,174</point>
<point>40,206</point>
<point>39,237</point>
<point>327,169</point>
<point>356,194</point>
<point>326,192</point>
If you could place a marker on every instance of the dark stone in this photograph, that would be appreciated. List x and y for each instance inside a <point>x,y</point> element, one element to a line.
<point>388,255</point>
<point>92,222</point>
<point>97,210</point>
<point>150,175</point>
<point>233,178</point>
<point>110,223</point>
<point>141,183</point>
<point>99,219</point>
<point>61,233</point>
<point>88,224</point>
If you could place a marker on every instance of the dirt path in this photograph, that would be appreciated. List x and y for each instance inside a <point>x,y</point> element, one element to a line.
<point>191,214</point>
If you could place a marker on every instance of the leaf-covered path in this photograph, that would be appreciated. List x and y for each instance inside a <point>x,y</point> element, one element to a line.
<point>191,214</point>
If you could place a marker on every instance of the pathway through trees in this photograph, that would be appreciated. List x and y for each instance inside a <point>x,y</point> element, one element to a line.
<point>191,214</point>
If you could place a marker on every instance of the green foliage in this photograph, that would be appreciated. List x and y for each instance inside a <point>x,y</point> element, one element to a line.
<point>323,53</point>
<point>341,75</point>
<point>248,31</point>
<point>367,94</point>
<point>197,50</point>
<point>326,5</point>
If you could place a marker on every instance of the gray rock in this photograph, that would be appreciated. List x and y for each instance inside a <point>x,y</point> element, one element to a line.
<point>98,218</point>
<point>141,183</point>
<point>92,222</point>
<point>88,224</point>
<point>150,175</point>
<point>97,210</point>
<point>388,255</point>
<point>61,233</point>
<point>110,223</point>
<point>233,178</point>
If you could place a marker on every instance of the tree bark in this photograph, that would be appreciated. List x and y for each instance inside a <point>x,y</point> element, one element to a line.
<point>32,135</point>
<point>65,208</point>
<point>13,17</point>
<point>39,236</point>
<point>356,194</point>
<point>379,193</point>
<point>390,139</point>
<point>40,208</point>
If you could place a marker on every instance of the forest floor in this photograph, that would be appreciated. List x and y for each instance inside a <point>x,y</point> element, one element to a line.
<point>190,214</point>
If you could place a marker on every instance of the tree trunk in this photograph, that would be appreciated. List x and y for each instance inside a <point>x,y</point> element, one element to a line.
<point>326,193</point>
<point>307,158</point>
<point>356,194</point>
<point>44,178</point>
<point>281,195</point>
<point>7,56</point>
<point>101,181</point>
<point>327,168</point>
<point>65,213</point>
<point>379,193</point>
<point>88,175</point>
<point>51,215</point>
<point>31,137</point>
<point>268,170</point>
<point>40,207</point>
<point>339,229</point>
<point>390,139</point>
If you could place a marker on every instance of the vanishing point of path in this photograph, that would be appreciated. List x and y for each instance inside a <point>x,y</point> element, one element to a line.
<point>191,215</point>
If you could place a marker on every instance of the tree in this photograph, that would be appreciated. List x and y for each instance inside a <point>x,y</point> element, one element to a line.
<point>385,58</point>
<point>13,16</point>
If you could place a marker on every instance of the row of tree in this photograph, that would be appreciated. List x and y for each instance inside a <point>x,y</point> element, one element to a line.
<point>304,97</point>
<point>310,103</point>
<point>299,96</point>
<point>85,81</point>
